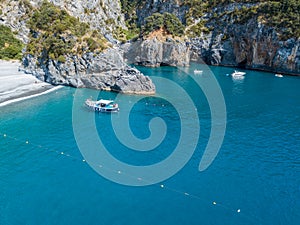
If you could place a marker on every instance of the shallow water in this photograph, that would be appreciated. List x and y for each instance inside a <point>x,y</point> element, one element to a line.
<point>256,170</point>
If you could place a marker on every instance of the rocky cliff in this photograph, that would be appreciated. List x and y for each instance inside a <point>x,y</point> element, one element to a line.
<point>147,8</point>
<point>248,34</point>
<point>154,52</point>
<point>105,71</point>
<point>251,45</point>
<point>102,15</point>
<point>92,69</point>
<point>241,34</point>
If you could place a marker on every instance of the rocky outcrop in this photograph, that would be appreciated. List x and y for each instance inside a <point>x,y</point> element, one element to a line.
<point>103,15</point>
<point>105,71</point>
<point>249,43</point>
<point>147,8</point>
<point>14,16</point>
<point>153,52</point>
<point>251,46</point>
<point>245,43</point>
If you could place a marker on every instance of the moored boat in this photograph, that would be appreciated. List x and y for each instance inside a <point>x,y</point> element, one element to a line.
<point>102,105</point>
<point>278,75</point>
<point>238,73</point>
<point>198,71</point>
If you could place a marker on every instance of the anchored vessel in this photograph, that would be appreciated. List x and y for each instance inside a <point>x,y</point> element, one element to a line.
<point>102,105</point>
<point>198,71</point>
<point>278,75</point>
<point>238,73</point>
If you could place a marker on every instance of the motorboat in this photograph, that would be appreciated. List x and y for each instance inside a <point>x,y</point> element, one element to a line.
<point>238,73</point>
<point>198,71</point>
<point>278,75</point>
<point>102,105</point>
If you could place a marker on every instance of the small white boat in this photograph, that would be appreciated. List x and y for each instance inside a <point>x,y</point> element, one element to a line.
<point>102,105</point>
<point>238,73</point>
<point>278,75</point>
<point>198,71</point>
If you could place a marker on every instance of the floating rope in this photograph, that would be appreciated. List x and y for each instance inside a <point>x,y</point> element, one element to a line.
<point>161,186</point>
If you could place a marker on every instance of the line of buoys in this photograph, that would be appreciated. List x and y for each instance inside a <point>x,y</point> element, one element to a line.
<point>162,186</point>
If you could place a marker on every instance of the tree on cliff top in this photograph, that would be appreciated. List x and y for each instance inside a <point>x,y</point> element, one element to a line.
<point>167,21</point>
<point>54,33</point>
<point>10,46</point>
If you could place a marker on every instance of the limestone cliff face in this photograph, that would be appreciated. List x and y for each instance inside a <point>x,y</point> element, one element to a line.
<point>106,71</point>
<point>153,52</point>
<point>102,15</point>
<point>148,7</point>
<point>252,46</point>
<point>14,16</point>
<point>249,44</point>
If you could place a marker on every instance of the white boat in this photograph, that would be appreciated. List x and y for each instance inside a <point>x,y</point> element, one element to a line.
<point>102,105</point>
<point>238,73</point>
<point>278,75</point>
<point>198,71</point>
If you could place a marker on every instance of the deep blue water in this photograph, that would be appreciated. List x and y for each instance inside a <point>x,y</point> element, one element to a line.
<point>257,169</point>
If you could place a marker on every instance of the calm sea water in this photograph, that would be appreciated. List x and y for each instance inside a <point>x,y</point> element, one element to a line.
<point>257,170</point>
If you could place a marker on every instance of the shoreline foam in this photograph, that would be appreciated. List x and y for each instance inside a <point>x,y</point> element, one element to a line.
<point>29,96</point>
<point>17,86</point>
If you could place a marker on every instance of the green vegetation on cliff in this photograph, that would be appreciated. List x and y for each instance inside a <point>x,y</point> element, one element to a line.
<point>283,15</point>
<point>167,21</point>
<point>10,46</point>
<point>54,34</point>
<point>129,11</point>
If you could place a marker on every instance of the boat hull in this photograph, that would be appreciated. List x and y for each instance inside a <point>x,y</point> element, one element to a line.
<point>238,74</point>
<point>98,108</point>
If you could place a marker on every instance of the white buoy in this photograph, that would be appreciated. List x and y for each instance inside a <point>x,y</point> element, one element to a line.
<point>214,203</point>
<point>119,172</point>
<point>27,142</point>
<point>238,210</point>
<point>162,186</point>
<point>83,160</point>
<point>4,135</point>
<point>62,153</point>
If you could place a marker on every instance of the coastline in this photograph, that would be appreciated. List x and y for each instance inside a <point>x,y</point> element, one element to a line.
<point>17,86</point>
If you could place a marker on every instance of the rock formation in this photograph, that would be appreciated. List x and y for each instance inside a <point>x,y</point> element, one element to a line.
<point>251,46</point>
<point>227,41</point>
<point>147,8</point>
<point>102,15</point>
<point>106,71</point>
<point>153,52</point>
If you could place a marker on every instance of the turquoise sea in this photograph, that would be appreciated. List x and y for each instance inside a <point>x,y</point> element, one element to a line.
<point>254,179</point>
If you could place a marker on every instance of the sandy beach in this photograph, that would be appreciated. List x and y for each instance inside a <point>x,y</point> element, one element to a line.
<point>17,86</point>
